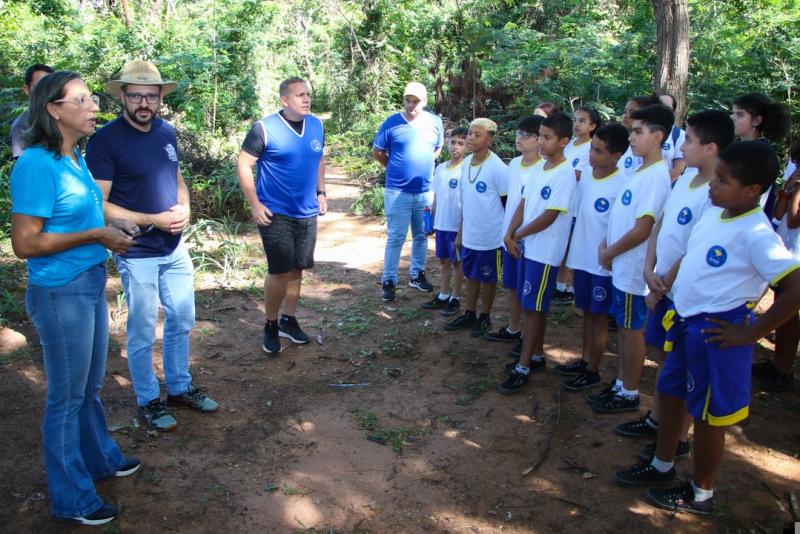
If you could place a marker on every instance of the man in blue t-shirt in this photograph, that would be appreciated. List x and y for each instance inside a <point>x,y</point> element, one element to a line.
<point>287,149</point>
<point>134,160</point>
<point>407,144</point>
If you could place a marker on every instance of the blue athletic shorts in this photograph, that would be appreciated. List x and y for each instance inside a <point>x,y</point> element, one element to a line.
<point>537,284</point>
<point>480,265</point>
<point>512,270</point>
<point>715,382</point>
<point>446,246</point>
<point>592,292</point>
<point>655,333</point>
<point>628,310</point>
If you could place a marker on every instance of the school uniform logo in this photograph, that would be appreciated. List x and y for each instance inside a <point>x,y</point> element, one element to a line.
<point>628,162</point>
<point>172,154</point>
<point>716,256</point>
<point>599,293</point>
<point>685,215</point>
<point>480,187</point>
<point>575,162</point>
<point>666,146</point>
<point>453,183</point>
<point>546,192</point>
<point>601,205</point>
<point>526,288</point>
<point>486,270</point>
<point>689,382</point>
<point>627,196</point>
<point>316,146</point>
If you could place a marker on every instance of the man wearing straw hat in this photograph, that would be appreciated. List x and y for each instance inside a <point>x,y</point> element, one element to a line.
<point>134,160</point>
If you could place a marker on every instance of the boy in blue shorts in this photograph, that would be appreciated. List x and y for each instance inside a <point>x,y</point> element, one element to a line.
<point>632,219</point>
<point>708,132</point>
<point>446,221</point>
<point>543,221</point>
<point>597,190</point>
<point>732,254</point>
<point>483,185</point>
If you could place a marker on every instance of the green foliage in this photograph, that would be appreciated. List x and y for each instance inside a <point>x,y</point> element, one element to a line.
<point>396,437</point>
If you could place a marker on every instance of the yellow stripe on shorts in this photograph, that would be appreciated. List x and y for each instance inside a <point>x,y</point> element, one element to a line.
<point>542,287</point>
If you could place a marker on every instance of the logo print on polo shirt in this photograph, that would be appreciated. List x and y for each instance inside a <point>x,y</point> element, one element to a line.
<point>575,162</point>
<point>716,256</point>
<point>453,183</point>
<point>665,146</point>
<point>628,162</point>
<point>316,146</point>
<point>546,192</point>
<point>171,153</point>
<point>627,196</point>
<point>480,187</point>
<point>601,205</point>
<point>599,293</point>
<point>685,215</point>
<point>689,382</point>
<point>526,288</point>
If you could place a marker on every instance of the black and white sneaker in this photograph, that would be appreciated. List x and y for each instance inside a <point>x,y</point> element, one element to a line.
<point>130,466</point>
<point>516,350</point>
<point>289,328</point>
<point>574,367</point>
<point>617,404</point>
<point>638,428</point>
<point>503,335</point>
<point>272,341</point>
<point>646,454</point>
<point>105,514</point>
<point>599,398</point>
<point>643,475</point>
<point>679,499</point>
<point>420,282</point>
<point>453,305</point>
<point>481,326</point>
<point>563,298</point>
<point>435,304</point>
<point>514,383</point>
<point>584,380</point>
<point>462,322</point>
<point>537,364</point>
<point>388,291</point>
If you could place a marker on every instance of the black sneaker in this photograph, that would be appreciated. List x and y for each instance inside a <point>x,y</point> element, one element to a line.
<point>435,304</point>
<point>537,364</point>
<point>603,396</point>
<point>462,322</point>
<point>617,404</point>
<point>643,475</point>
<point>584,380</point>
<point>646,454</point>
<point>420,282</point>
<point>516,350</point>
<point>563,298</point>
<point>612,324</point>
<point>156,416</point>
<point>574,367</point>
<point>679,499</point>
<point>272,341</point>
<point>777,382</point>
<point>481,326</point>
<point>289,328</point>
<point>453,305</point>
<point>638,428</point>
<point>194,398</point>
<point>130,466</point>
<point>763,368</point>
<point>387,291</point>
<point>503,335</point>
<point>515,382</point>
<point>105,514</point>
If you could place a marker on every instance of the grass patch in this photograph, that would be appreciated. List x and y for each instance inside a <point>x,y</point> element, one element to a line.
<point>473,390</point>
<point>358,318</point>
<point>22,354</point>
<point>396,437</point>
<point>398,345</point>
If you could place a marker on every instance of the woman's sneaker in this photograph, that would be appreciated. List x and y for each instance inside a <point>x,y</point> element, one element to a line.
<point>156,416</point>
<point>575,367</point>
<point>420,282</point>
<point>194,398</point>
<point>646,454</point>
<point>584,380</point>
<point>105,514</point>
<point>679,499</point>
<point>643,475</point>
<point>388,291</point>
<point>289,328</point>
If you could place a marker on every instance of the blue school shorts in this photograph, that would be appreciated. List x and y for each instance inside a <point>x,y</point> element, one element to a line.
<point>592,292</point>
<point>655,333</point>
<point>538,281</point>
<point>513,268</point>
<point>446,246</point>
<point>628,310</point>
<point>715,382</point>
<point>480,265</point>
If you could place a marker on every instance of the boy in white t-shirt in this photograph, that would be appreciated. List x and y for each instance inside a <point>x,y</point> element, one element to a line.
<point>671,149</point>
<point>543,221</point>
<point>597,191</point>
<point>731,256</point>
<point>632,219</point>
<point>483,184</point>
<point>446,221</point>
<point>629,163</point>
<point>519,172</point>
<point>708,132</point>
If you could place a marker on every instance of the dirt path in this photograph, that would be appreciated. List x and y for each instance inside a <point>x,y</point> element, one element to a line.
<point>423,444</point>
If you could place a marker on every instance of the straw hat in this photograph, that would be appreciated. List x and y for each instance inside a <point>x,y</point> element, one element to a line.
<point>140,73</point>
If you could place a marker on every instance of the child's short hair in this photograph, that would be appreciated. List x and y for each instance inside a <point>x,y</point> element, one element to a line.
<point>459,131</point>
<point>794,151</point>
<point>644,101</point>
<point>560,123</point>
<point>530,124</point>
<point>712,126</point>
<point>615,136</point>
<point>488,124</point>
<point>774,118</point>
<point>752,162</point>
<point>656,116</point>
<point>594,116</point>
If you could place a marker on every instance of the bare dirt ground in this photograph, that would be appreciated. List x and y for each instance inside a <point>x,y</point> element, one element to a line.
<point>424,444</point>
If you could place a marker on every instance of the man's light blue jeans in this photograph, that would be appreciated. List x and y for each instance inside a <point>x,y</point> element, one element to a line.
<point>402,209</point>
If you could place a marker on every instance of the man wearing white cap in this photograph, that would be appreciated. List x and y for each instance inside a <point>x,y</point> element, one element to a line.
<point>407,144</point>
<point>134,160</point>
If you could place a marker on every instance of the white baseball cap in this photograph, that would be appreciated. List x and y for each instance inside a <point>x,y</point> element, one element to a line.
<point>416,89</point>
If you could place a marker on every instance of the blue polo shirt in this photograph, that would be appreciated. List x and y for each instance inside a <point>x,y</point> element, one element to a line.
<point>64,194</point>
<point>410,147</point>
<point>143,169</point>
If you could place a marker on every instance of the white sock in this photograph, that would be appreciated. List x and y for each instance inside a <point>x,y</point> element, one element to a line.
<point>561,286</point>
<point>537,357</point>
<point>617,385</point>
<point>570,289</point>
<point>444,296</point>
<point>522,369</point>
<point>628,393</point>
<point>511,331</point>
<point>661,466</point>
<point>701,494</point>
<point>651,422</point>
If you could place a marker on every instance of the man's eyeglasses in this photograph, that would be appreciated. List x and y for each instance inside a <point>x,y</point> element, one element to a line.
<point>82,101</point>
<point>525,135</point>
<point>136,98</point>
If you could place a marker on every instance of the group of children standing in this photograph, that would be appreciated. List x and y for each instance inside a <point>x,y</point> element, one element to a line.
<point>670,233</point>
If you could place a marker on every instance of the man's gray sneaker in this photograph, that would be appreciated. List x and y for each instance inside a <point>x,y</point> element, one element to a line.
<point>194,398</point>
<point>156,416</point>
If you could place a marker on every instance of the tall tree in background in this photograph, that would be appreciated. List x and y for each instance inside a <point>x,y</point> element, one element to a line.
<point>672,62</point>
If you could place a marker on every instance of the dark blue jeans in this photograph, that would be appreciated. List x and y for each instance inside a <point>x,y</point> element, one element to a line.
<point>72,322</point>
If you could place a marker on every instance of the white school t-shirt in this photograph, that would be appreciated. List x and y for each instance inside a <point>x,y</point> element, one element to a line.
<point>671,149</point>
<point>789,236</point>
<point>596,196</point>
<point>729,262</point>
<point>551,189</point>
<point>643,193</point>
<point>518,175</point>
<point>578,155</point>
<point>448,197</point>
<point>629,163</point>
<point>481,188</point>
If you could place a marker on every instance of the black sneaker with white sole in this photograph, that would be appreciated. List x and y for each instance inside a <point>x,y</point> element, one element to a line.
<point>583,381</point>
<point>105,514</point>
<point>130,466</point>
<point>453,305</point>
<point>503,335</point>
<point>638,428</point>
<point>643,475</point>
<point>646,454</point>
<point>679,499</point>
<point>388,290</point>
<point>289,328</point>
<point>599,398</point>
<point>617,404</point>
<point>435,304</point>
<point>574,367</point>
<point>272,340</point>
<point>420,282</point>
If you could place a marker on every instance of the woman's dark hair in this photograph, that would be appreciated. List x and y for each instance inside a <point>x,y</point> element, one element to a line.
<point>44,129</point>
<point>548,108</point>
<point>594,116</point>
<point>674,104</point>
<point>774,118</point>
<point>794,151</point>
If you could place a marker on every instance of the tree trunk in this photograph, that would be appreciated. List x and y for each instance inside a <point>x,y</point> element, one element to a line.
<point>672,35</point>
<point>126,13</point>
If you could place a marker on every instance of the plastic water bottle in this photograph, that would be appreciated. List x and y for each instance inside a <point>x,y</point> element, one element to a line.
<point>427,220</point>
